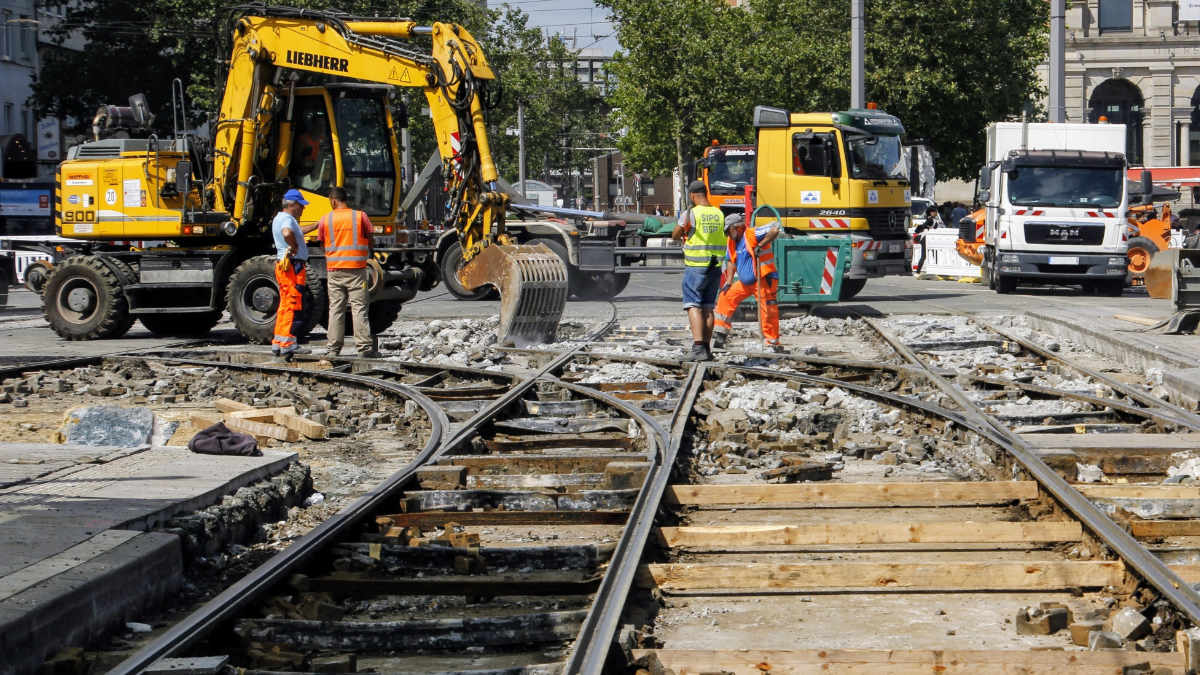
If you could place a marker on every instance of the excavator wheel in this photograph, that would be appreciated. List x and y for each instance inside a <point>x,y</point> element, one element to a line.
<point>36,275</point>
<point>253,296</point>
<point>532,281</point>
<point>83,300</point>
<point>600,285</point>
<point>1141,250</point>
<point>181,324</point>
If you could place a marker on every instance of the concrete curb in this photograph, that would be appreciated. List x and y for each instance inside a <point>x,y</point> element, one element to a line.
<point>1180,374</point>
<point>86,601</point>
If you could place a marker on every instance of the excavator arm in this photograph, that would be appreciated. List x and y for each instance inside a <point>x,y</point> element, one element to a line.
<point>270,42</point>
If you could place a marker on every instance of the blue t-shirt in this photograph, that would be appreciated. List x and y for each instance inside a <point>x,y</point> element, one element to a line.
<point>284,220</point>
<point>745,264</point>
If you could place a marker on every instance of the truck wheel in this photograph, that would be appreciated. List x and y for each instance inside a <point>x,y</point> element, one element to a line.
<point>83,300</point>
<point>183,324</point>
<point>1004,285</point>
<point>851,288</point>
<point>451,261</point>
<point>36,275</point>
<point>601,285</point>
<point>574,283</point>
<point>1141,250</point>
<point>252,298</point>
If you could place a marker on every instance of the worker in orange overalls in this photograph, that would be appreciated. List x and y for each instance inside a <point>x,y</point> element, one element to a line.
<point>291,275</point>
<point>750,271</point>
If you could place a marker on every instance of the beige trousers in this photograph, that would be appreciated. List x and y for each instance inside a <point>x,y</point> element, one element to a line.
<point>352,285</point>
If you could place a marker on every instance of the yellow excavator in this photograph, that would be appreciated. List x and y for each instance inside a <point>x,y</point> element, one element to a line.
<point>309,103</point>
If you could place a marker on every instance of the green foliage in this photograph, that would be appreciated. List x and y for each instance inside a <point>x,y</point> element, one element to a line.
<point>141,46</point>
<point>693,70</point>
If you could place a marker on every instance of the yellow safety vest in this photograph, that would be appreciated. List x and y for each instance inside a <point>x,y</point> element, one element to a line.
<point>706,245</point>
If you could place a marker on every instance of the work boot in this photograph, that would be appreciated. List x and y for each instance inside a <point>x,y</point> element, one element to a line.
<point>373,354</point>
<point>301,350</point>
<point>718,340</point>
<point>775,349</point>
<point>330,353</point>
<point>698,353</point>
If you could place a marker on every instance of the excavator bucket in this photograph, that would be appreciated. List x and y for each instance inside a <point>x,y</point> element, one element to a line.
<point>532,281</point>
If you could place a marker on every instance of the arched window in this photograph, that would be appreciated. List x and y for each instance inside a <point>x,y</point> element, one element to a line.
<point>1121,103</point>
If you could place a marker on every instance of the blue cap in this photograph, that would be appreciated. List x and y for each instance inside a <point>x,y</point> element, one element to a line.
<point>295,196</point>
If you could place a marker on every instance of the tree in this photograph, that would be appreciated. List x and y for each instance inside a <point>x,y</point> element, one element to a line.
<point>691,70</point>
<point>131,47</point>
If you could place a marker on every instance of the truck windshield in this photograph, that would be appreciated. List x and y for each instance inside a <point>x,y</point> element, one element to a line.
<point>730,172</point>
<point>1065,186</point>
<point>366,153</point>
<point>875,157</point>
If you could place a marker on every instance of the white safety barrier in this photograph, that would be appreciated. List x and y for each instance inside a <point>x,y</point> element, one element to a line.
<point>943,259</point>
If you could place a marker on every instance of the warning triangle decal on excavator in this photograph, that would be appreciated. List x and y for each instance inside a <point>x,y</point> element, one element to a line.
<point>399,74</point>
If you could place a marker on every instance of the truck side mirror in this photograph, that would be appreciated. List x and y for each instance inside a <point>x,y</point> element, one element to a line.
<point>399,114</point>
<point>985,196</point>
<point>183,177</point>
<point>985,178</point>
<point>1147,187</point>
<point>832,160</point>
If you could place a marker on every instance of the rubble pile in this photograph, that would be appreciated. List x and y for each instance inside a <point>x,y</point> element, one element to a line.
<point>785,430</point>
<point>459,341</point>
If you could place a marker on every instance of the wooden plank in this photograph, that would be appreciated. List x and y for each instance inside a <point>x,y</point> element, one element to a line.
<point>1140,320</point>
<point>432,519</point>
<point>304,427</point>
<point>1139,491</point>
<point>565,463</point>
<point>260,414</point>
<point>262,429</point>
<point>227,405</point>
<point>949,532</point>
<point>843,494</point>
<point>1130,443</point>
<point>759,661</point>
<point>1044,575</point>
<point>1165,528</point>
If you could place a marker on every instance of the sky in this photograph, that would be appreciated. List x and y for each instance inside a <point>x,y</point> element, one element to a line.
<point>579,18</point>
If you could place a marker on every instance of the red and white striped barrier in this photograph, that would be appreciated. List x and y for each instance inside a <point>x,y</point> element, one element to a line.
<point>831,261</point>
<point>829,223</point>
<point>942,258</point>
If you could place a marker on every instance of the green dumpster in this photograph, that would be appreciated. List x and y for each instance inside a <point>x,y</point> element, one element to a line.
<point>811,268</point>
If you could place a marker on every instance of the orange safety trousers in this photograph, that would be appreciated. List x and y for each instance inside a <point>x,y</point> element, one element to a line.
<point>291,278</point>
<point>764,291</point>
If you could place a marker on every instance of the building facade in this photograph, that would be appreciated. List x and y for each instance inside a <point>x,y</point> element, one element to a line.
<point>18,65</point>
<point>1137,62</point>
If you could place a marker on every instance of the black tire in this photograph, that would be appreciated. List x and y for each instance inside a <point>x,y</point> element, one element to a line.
<point>574,281</point>
<point>36,275</point>
<point>600,285</point>
<point>1004,285</point>
<point>252,297</point>
<point>381,316</point>
<point>83,298</point>
<point>851,288</point>
<point>1111,288</point>
<point>450,262</point>
<point>183,324</point>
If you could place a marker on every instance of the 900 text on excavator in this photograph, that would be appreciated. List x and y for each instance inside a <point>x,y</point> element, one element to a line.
<point>216,219</point>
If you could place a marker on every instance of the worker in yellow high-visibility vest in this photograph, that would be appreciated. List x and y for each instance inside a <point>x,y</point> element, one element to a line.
<point>702,231</point>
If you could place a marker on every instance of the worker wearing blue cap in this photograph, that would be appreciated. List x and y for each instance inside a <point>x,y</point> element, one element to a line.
<point>290,273</point>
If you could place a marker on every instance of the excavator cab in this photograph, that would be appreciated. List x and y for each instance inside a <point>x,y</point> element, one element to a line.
<point>342,135</point>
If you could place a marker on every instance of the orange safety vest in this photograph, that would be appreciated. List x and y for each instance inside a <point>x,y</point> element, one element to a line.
<point>766,262</point>
<point>344,237</point>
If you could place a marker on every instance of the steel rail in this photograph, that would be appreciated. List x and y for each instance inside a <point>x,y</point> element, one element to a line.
<point>1153,570</point>
<point>222,607</point>
<point>1184,417</point>
<point>78,361</point>
<point>596,636</point>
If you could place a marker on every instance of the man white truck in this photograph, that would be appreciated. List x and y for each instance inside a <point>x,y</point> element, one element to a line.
<point>1055,203</point>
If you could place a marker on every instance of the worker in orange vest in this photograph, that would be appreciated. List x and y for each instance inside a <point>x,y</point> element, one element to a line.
<point>346,237</point>
<point>751,271</point>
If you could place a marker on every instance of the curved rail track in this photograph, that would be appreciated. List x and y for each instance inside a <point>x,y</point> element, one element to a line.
<point>911,511</point>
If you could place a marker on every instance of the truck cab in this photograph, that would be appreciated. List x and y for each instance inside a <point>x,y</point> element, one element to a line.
<point>838,174</point>
<point>726,171</point>
<point>1055,199</point>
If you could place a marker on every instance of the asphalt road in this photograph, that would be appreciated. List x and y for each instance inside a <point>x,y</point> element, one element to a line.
<point>648,298</point>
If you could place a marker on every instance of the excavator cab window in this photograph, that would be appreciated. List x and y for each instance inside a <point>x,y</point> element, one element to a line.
<point>312,166</point>
<point>368,167</point>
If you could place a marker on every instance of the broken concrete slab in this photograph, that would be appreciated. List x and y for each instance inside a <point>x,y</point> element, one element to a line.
<point>108,425</point>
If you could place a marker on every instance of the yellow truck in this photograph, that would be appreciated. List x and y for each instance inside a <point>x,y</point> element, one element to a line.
<point>838,174</point>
